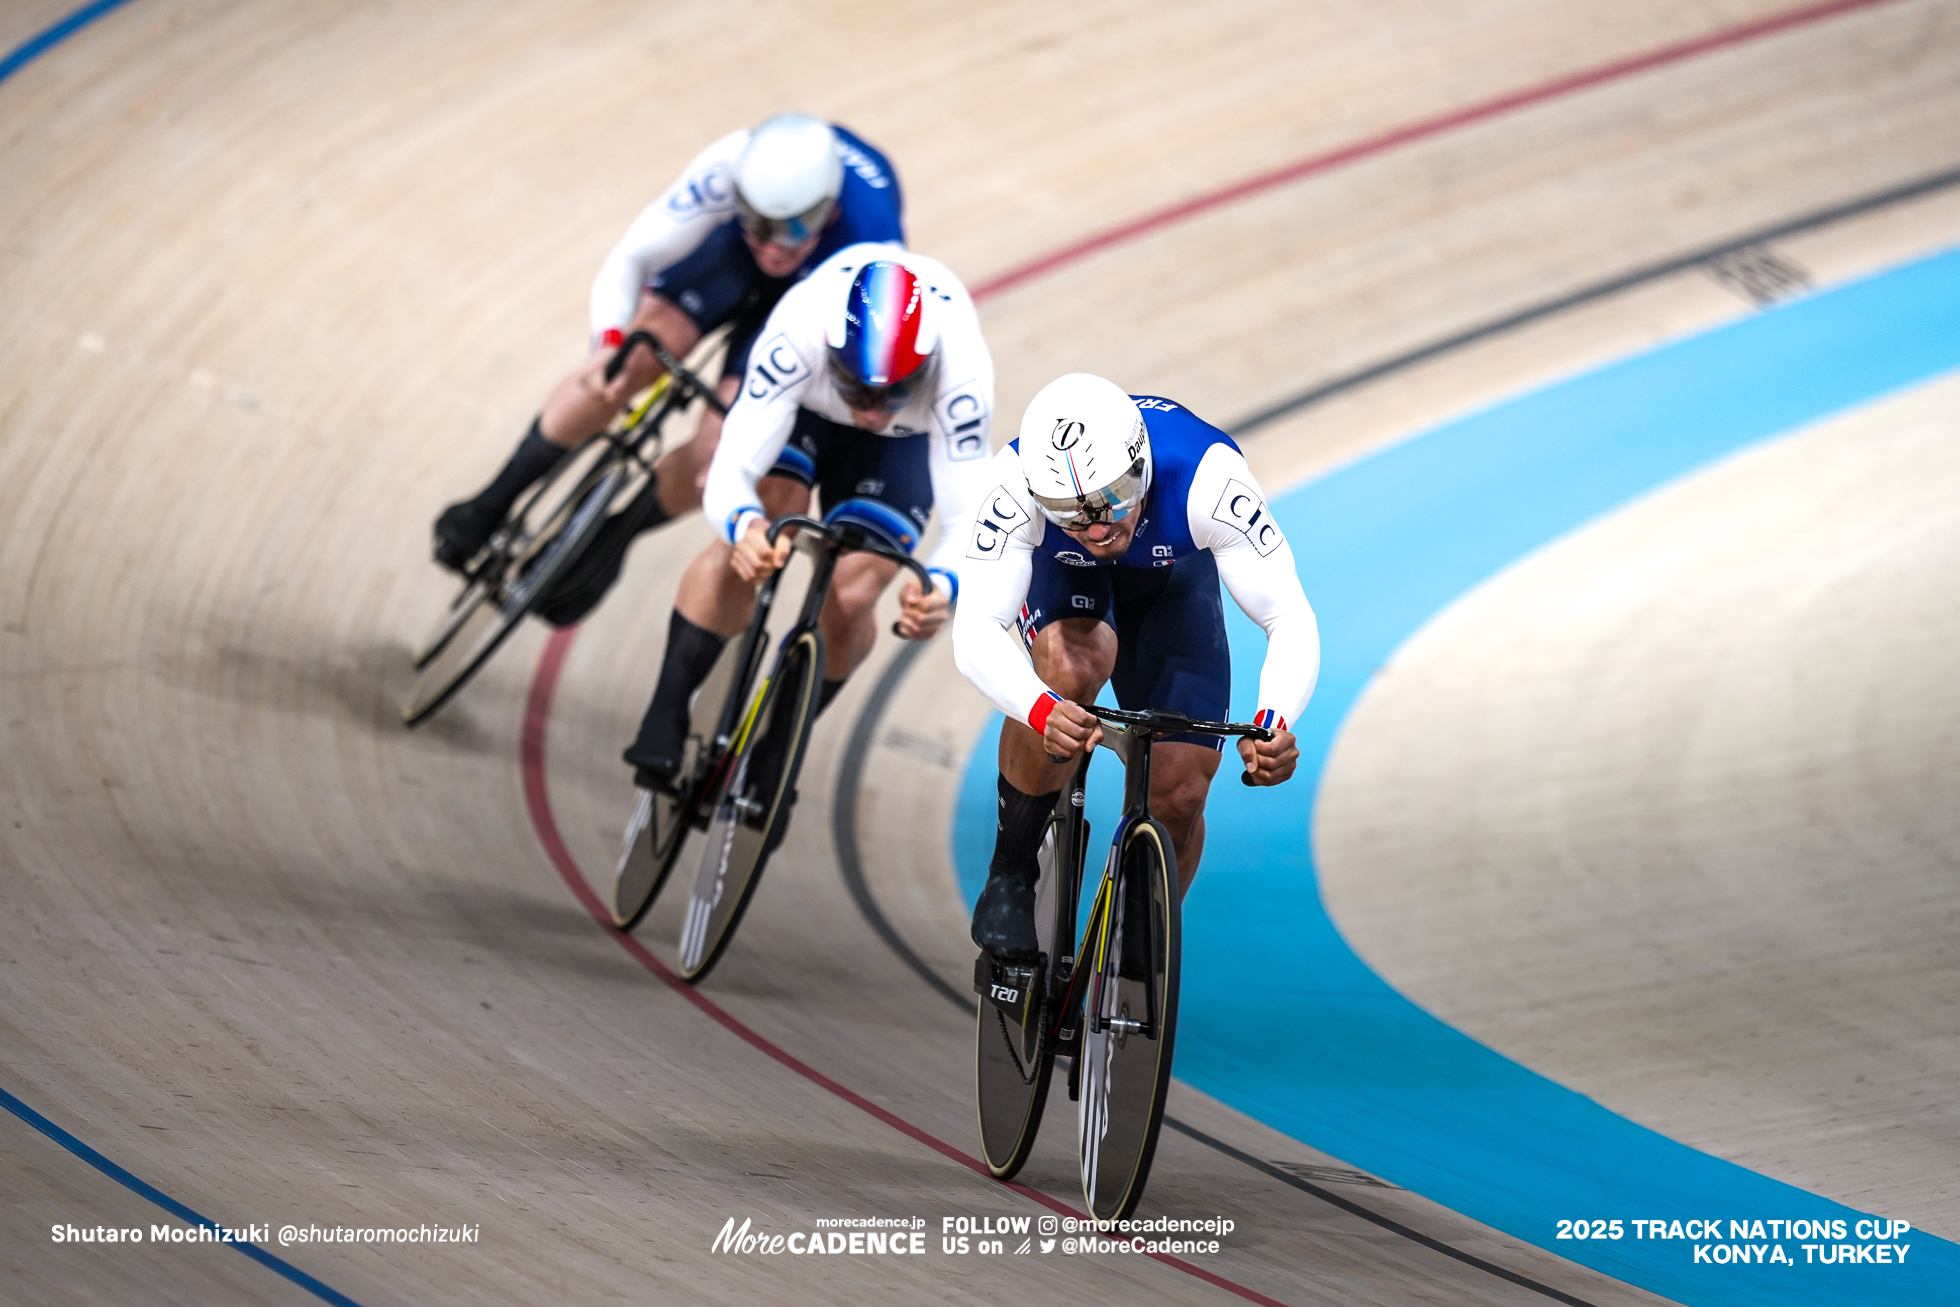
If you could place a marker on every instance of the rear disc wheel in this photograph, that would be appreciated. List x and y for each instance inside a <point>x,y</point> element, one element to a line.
<point>1012,1064</point>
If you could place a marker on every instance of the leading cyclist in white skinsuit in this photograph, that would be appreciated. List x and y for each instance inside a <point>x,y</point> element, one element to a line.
<point>1099,551</point>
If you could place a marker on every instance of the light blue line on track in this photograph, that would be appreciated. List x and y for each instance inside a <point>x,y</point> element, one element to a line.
<point>1283,1021</point>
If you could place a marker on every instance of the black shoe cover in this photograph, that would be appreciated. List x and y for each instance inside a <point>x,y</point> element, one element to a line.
<point>659,778</point>
<point>462,531</point>
<point>1003,920</point>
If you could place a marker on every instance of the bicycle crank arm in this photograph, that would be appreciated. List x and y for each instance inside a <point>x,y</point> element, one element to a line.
<point>1010,988</point>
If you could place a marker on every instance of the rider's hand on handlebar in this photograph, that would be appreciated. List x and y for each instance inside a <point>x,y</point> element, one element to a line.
<point>922,610</point>
<point>1072,729</point>
<point>639,372</point>
<point>1268,762</point>
<point>755,557</point>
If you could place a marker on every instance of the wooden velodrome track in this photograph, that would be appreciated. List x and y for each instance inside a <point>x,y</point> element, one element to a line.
<point>281,280</point>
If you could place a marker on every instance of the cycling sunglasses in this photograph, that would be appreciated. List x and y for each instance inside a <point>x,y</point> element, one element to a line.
<point>1104,507</point>
<point>862,397</point>
<point>788,232</point>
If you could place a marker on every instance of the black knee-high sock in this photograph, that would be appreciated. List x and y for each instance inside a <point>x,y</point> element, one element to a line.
<point>535,456</point>
<point>691,654</point>
<point>1017,837</point>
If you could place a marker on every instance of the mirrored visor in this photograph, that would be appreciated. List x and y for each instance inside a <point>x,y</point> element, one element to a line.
<point>789,231</point>
<point>862,397</point>
<point>1111,504</point>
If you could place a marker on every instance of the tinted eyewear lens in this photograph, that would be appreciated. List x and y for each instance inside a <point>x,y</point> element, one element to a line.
<point>787,232</point>
<point>873,399</point>
<point>1104,507</point>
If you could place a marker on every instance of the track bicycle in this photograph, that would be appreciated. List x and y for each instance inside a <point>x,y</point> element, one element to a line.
<point>549,530</point>
<point>1110,1005</point>
<point>744,749</point>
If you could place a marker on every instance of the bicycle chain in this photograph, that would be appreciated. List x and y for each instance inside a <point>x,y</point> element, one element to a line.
<point>1040,1044</point>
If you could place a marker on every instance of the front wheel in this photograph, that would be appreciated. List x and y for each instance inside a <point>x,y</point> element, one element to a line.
<point>749,803</point>
<point>660,822</point>
<point>1129,1020</point>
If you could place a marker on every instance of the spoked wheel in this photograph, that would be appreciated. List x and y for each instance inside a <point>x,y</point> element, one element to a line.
<point>1012,1064</point>
<point>504,587</point>
<point>749,801</point>
<point>1129,1021</point>
<point>660,821</point>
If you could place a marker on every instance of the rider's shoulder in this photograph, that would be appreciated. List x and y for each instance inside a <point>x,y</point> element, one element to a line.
<point>863,161</point>
<point>1176,431</point>
<point>706,187</point>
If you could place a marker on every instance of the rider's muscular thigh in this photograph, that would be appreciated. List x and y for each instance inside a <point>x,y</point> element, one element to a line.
<point>1180,781</point>
<point>1075,657</point>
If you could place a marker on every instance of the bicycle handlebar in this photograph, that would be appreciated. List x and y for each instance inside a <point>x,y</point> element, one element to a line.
<point>687,379</point>
<point>1158,721</point>
<point>864,543</point>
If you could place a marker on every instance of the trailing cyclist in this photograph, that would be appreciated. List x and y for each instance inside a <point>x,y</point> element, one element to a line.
<point>872,385</point>
<point>1099,552</point>
<point>754,212</point>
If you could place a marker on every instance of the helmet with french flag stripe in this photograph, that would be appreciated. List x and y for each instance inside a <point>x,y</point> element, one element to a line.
<point>881,347</point>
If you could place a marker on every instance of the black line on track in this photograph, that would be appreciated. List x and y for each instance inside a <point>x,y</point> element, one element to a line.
<point>850,775</point>
<point>1356,1209</point>
<point>851,772</point>
<point>1586,295</point>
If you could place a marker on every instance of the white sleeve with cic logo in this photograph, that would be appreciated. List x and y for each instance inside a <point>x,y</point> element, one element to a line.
<point>667,231</point>
<point>1229,516</point>
<point>996,564</point>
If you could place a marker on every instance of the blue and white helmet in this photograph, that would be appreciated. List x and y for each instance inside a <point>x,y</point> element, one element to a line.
<point>1085,452</point>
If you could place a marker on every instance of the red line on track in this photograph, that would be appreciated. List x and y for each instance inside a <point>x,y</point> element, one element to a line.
<point>537,713</point>
<point>1292,172</point>
<point>537,797</point>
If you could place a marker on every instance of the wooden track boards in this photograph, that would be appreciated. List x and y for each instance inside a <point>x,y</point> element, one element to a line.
<point>278,282</point>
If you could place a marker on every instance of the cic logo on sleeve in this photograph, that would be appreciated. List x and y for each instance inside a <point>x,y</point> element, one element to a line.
<point>1241,508</point>
<point>996,520</point>
<point>774,368</point>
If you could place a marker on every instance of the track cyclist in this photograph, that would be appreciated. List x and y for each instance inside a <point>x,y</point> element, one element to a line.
<point>754,212</point>
<point>1100,552</point>
<point>872,384</point>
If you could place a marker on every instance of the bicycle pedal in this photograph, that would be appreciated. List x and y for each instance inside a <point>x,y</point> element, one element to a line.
<point>1008,986</point>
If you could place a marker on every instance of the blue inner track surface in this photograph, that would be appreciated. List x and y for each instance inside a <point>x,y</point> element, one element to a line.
<point>1283,1021</point>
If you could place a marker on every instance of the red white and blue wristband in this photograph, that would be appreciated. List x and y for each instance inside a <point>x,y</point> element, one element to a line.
<point>611,338</point>
<point>1269,719</point>
<point>1038,715</point>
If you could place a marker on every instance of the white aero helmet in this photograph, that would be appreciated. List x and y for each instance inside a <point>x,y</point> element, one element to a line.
<point>787,179</point>
<point>1085,452</point>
